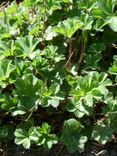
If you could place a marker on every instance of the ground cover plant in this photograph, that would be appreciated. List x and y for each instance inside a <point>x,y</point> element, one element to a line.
<point>58,73</point>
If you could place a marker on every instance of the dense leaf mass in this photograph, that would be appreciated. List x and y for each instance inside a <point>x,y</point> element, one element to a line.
<point>58,72</point>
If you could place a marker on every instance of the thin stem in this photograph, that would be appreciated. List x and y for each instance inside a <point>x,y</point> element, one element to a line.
<point>6,20</point>
<point>70,53</point>
<point>69,58</point>
<point>83,47</point>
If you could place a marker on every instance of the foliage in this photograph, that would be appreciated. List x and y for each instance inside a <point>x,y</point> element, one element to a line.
<point>72,135</point>
<point>37,135</point>
<point>58,68</point>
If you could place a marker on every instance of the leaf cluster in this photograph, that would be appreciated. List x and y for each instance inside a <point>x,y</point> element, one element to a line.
<point>58,68</point>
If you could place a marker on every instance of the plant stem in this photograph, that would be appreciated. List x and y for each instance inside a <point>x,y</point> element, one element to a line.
<point>83,47</point>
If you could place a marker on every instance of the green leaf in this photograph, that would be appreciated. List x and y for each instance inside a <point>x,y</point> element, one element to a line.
<point>6,132</point>
<point>85,90</point>
<point>113,68</point>
<point>6,48</point>
<point>23,67</point>
<point>68,27</point>
<point>87,21</point>
<point>52,96</point>
<point>28,90</point>
<point>7,103</point>
<point>18,112</point>
<point>110,109</point>
<point>27,46</point>
<point>52,5</point>
<point>87,5</point>
<point>102,133</point>
<point>25,137</point>
<point>94,55</point>
<point>12,8</point>
<point>107,6</point>
<point>52,52</point>
<point>72,135</point>
<point>28,3</point>
<point>6,68</point>
<point>44,137</point>
<point>113,23</point>
<point>49,33</point>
